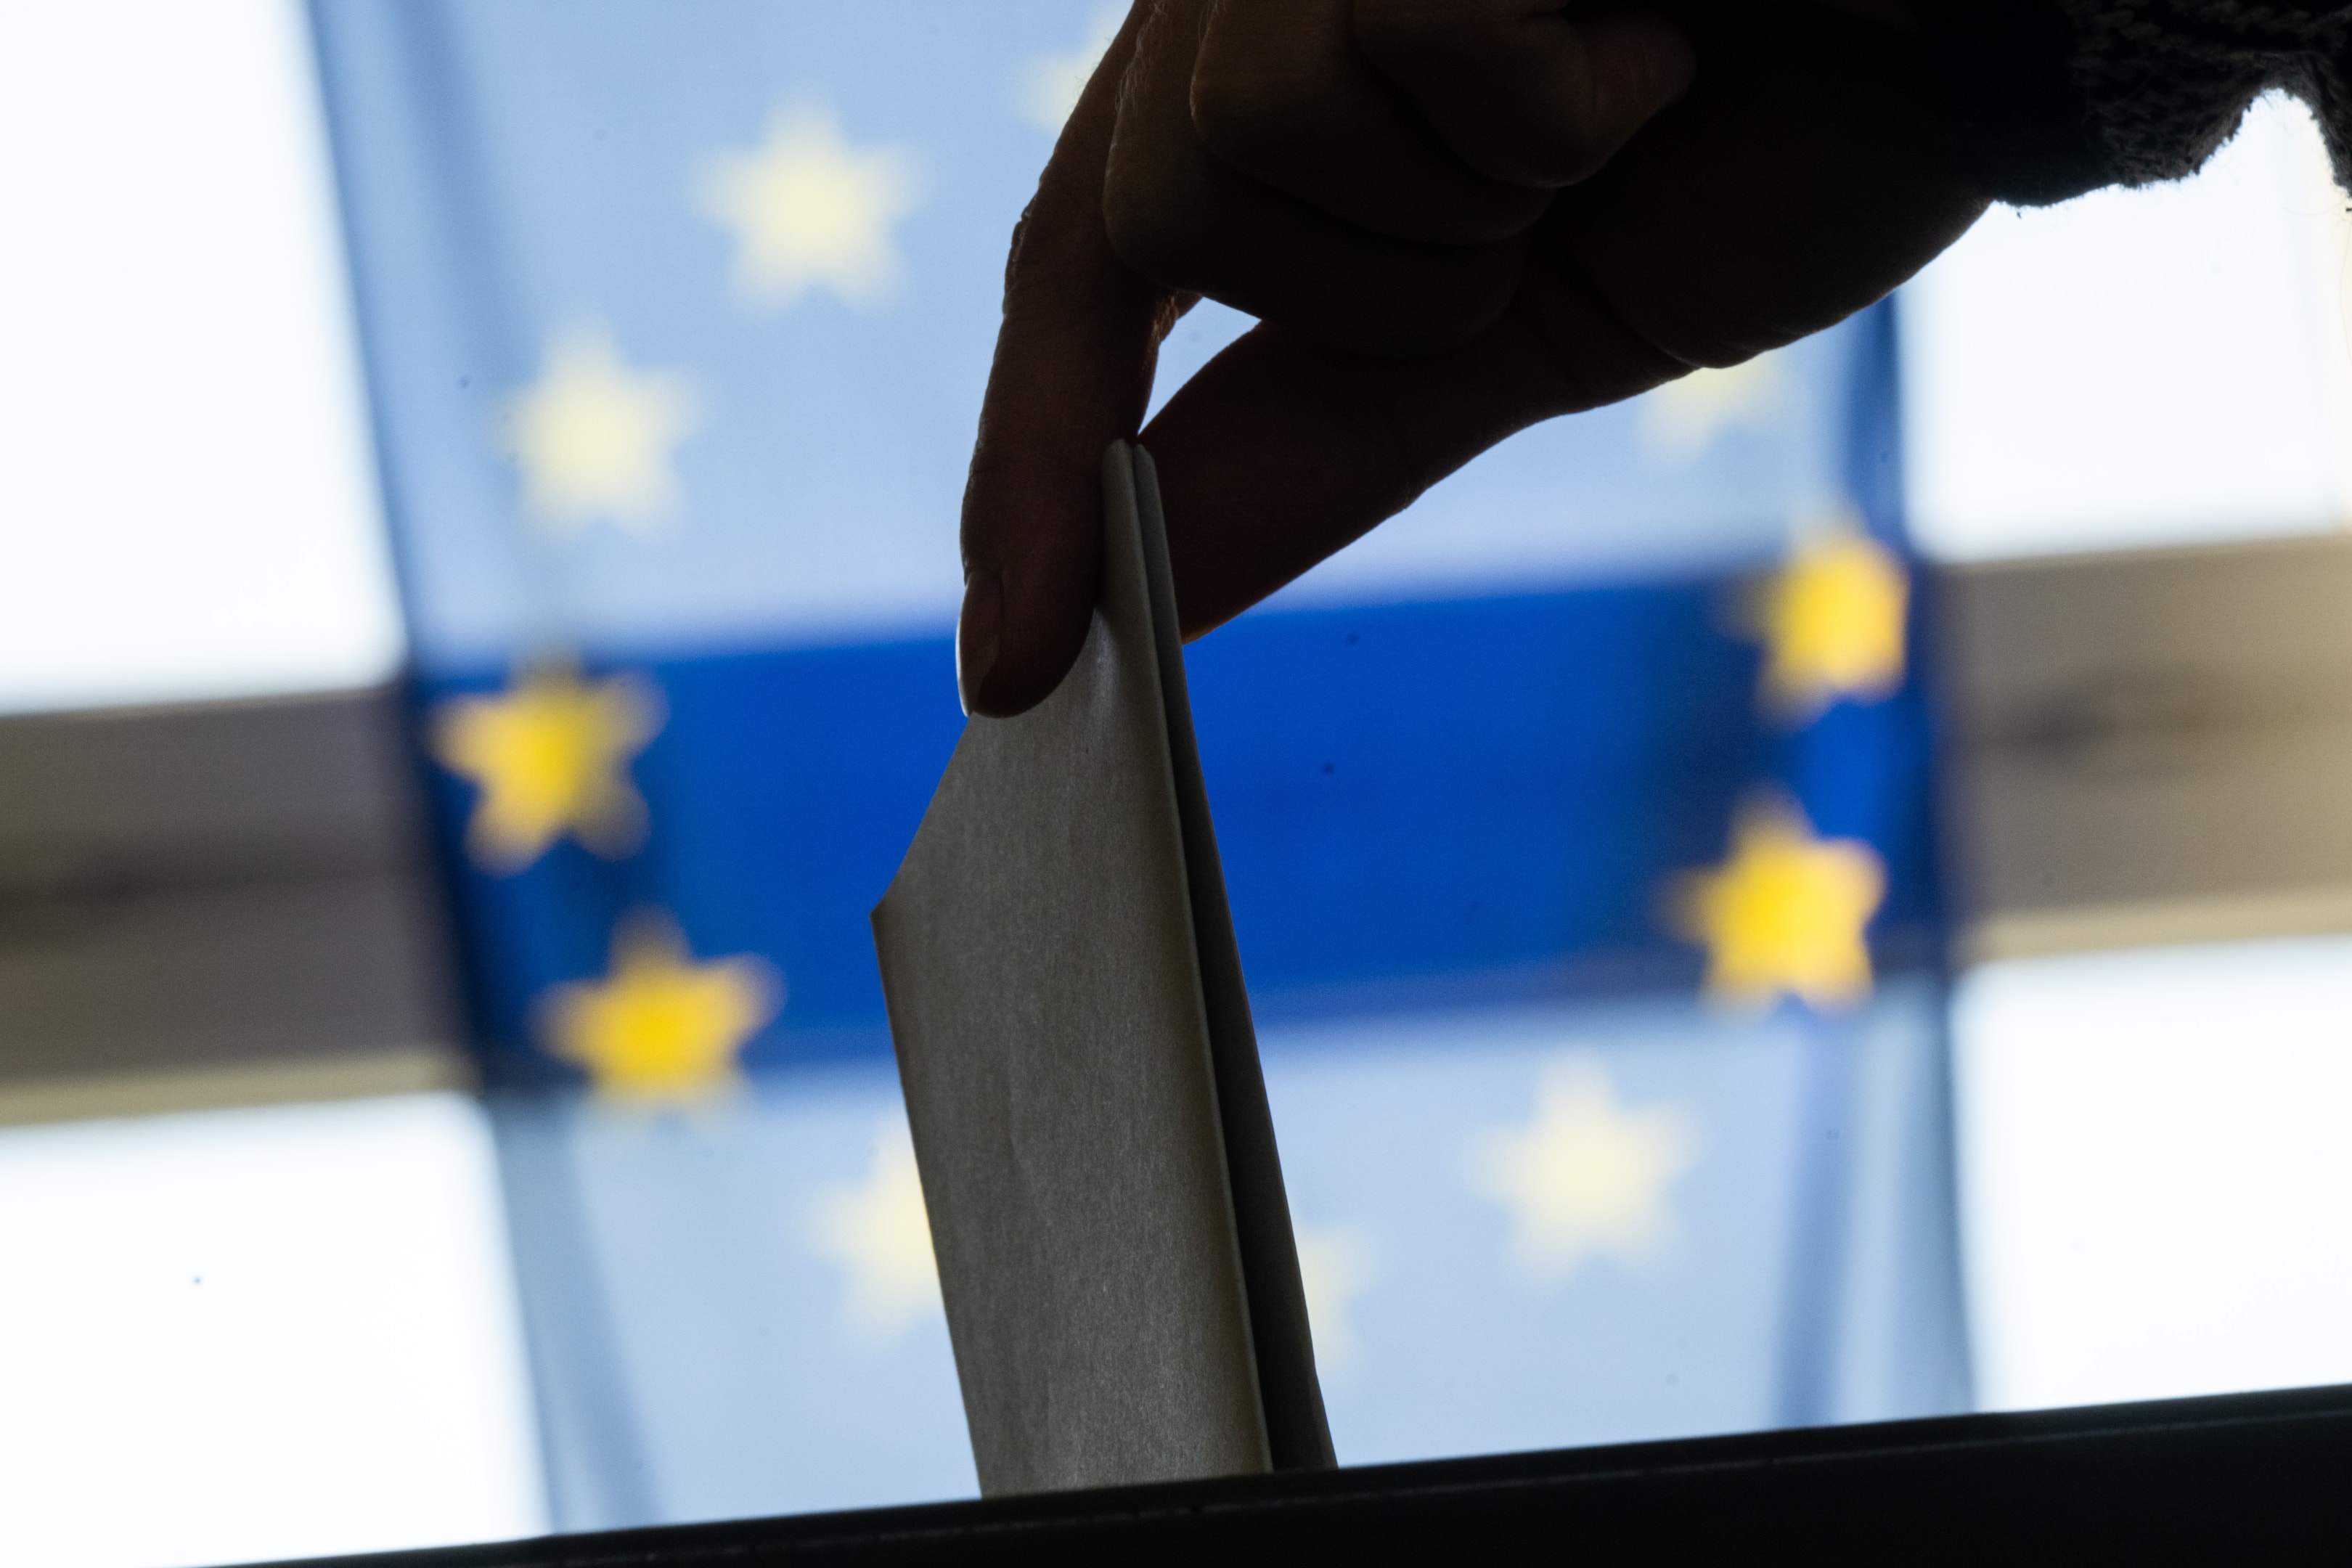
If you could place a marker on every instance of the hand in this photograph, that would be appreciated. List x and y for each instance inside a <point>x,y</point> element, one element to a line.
<point>1455,218</point>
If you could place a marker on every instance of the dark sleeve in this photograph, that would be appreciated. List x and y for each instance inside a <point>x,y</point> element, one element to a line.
<point>2059,97</point>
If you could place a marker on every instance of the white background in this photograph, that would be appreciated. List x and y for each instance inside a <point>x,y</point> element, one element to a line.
<point>234,1335</point>
<point>2138,367</point>
<point>2155,1171</point>
<point>186,502</point>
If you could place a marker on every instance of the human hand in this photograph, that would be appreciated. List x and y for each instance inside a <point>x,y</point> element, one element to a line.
<point>1444,215</point>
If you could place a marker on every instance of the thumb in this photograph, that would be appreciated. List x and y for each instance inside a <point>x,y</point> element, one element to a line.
<point>1072,373</point>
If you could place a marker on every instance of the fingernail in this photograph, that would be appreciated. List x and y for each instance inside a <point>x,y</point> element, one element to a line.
<point>977,631</point>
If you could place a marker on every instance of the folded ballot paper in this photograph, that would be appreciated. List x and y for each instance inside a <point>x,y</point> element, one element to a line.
<point>1097,1158</point>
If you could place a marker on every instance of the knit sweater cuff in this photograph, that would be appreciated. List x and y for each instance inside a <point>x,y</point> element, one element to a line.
<point>2166,82</point>
<point>2057,97</point>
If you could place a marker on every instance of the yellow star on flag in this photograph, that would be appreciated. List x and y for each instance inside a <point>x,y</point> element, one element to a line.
<point>1589,1175</point>
<point>551,755</point>
<point>810,211</point>
<point>1337,1264</point>
<point>1048,85</point>
<point>1784,915</point>
<point>593,437</point>
<point>1831,620</point>
<point>661,1029</point>
<point>878,1231</point>
<point>1680,419</point>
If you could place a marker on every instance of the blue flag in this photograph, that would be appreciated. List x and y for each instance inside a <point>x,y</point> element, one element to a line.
<point>1576,823</point>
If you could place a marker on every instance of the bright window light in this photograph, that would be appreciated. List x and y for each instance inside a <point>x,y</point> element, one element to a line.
<point>2156,1177</point>
<point>236,1335</point>
<point>2162,366</point>
<point>187,505</point>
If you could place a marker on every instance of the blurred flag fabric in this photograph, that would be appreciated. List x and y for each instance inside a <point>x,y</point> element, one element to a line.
<point>1576,823</point>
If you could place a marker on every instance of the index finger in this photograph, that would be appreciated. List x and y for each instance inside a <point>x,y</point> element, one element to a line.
<point>1072,373</point>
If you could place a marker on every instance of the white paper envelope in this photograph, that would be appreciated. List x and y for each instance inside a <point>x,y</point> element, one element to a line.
<point>1097,1158</point>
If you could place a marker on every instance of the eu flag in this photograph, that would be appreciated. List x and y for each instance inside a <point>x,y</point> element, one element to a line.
<point>1576,823</point>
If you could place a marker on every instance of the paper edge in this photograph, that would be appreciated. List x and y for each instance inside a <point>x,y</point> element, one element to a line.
<point>1298,1433</point>
<point>1140,538</point>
